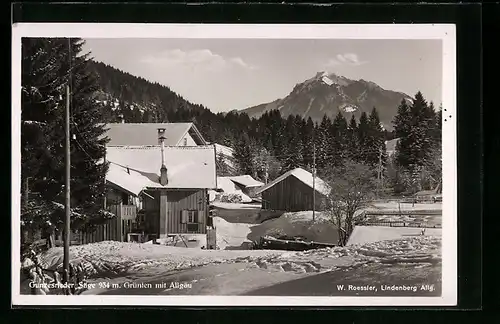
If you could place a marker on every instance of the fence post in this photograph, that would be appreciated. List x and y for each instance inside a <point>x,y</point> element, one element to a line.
<point>119,222</point>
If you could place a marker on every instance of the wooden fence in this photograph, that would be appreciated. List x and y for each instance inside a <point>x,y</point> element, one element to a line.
<point>114,229</point>
<point>398,224</point>
<point>109,231</point>
<point>369,218</point>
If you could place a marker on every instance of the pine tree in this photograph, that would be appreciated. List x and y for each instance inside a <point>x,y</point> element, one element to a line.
<point>243,155</point>
<point>363,138</point>
<point>307,134</point>
<point>322,142</point>
<point>352,145</point>
<point>402,125</point>
<point>222,165</point>
<point>375,141</point>
<point>419,141</point>
<point>338,141</point>
<point>45,74</point>
<point>292,145</point>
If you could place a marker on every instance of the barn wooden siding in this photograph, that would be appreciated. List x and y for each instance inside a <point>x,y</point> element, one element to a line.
<point>152,211</point>
<point>179,200</point>
<point>109,231</point>
<point>291,195</point>
<point>112,229</point>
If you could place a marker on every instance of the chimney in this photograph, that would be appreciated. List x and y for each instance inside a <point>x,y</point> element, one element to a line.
<point>161,135</point>
<point>163,169</point>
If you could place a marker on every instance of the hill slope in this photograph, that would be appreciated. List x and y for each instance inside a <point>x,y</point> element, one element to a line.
<point>134,99</point>
<point>327,94</point>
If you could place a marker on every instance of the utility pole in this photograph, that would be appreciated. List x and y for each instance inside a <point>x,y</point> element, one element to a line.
<point>67,205</point>
<point>314,181</point>
<point>379,173</point>
<point>26,198</point>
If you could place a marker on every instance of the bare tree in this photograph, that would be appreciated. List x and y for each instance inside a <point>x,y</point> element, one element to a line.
<point>352,185</point>
<point>266,166</point>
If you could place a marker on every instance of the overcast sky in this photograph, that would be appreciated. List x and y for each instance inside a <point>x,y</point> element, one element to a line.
<point>226,74</point>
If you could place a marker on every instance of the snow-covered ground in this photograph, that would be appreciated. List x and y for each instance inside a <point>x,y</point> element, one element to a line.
<point>424,214</point>
<point>111,258</point>
<point>369,234</point>
<point>225,205</point>
<point>231,234</point>
<point>298,224</point>
<point>395,206</point>
<point>118,261</point>
<point>253,271</point>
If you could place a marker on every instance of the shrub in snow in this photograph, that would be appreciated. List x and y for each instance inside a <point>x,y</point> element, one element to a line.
<point>275,232</point>
<point>229,198</point>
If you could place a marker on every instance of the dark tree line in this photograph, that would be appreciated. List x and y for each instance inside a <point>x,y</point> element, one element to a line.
<point>270,145</point>
<point>417,162</point>
<point>264,147</point>
<point>45,73</point>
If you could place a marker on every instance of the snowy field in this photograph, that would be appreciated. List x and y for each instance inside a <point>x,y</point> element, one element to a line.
<point>225,205</point>
<point>416,257</point>
<point>369,247</point>
<point>369,234</point>
<point>298,224</point>
<point>396,206</point>
<point>111,258</point>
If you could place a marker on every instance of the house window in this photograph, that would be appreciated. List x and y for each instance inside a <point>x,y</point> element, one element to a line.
<point>190,218</point>
<point>125,198</point>
<point>185,141</point>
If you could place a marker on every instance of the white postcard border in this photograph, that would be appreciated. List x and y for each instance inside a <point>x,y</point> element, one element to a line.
<point>445,32</point>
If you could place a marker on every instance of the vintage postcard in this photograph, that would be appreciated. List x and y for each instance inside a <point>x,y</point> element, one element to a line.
<point>224,165</point>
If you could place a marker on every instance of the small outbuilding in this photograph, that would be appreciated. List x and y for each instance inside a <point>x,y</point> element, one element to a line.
<point>293,191</point>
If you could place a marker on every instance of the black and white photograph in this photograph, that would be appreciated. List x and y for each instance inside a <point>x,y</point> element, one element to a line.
<point>229,165</point>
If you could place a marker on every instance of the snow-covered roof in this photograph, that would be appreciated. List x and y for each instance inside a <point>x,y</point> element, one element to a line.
<point>246,180</point>
<point>391,145</point>
<point>225,184</point>
<point>227,153</point>
<point>226,150</point>
<point>147,133</point>
<point>134,168</point>
<point>228,186</point>
<point>303,176</point>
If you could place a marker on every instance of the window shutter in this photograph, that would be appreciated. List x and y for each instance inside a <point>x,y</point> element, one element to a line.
<point>184,216</point>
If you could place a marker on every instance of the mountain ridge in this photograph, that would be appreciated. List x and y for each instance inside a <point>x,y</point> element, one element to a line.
<point>328,93</point>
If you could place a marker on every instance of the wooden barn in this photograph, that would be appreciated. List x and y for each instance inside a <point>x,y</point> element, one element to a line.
<point>293,191</point>
<point>162,189</point>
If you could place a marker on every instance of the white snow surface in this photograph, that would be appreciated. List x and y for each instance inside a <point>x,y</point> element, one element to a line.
<point>231,234</point>
<point>327,80</point>
<point>395,206</point>
<point>120,258</point>
<point>420,251</point>
<point>134,260</point>
<point>226,205</point>
<point>348,108</point>
<point>369,234</point>
<point>227,185</point>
